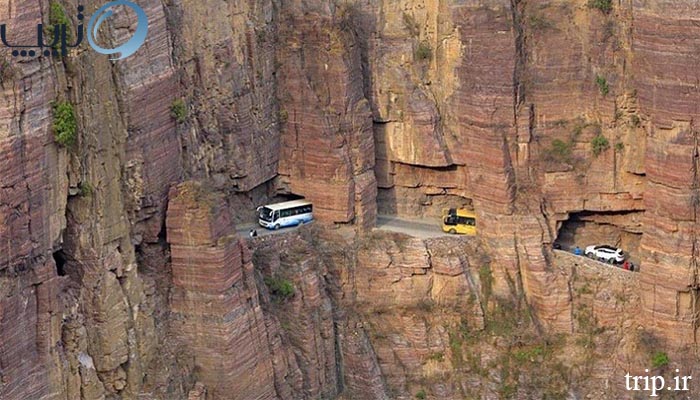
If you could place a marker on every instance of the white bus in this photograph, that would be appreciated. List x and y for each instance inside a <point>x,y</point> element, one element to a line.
<point>290,213</point>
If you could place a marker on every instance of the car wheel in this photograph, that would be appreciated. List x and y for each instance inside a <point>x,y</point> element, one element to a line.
<point>453,231</point>
<point>589,255</point>
<point>277,227</point>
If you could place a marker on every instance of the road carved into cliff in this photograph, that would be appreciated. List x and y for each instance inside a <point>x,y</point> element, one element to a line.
<point>424,228</point>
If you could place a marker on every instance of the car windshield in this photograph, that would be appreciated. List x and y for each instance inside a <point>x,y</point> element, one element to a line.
<point>265,214</point>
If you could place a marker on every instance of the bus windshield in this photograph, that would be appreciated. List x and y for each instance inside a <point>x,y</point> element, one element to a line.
<point>266,214</point>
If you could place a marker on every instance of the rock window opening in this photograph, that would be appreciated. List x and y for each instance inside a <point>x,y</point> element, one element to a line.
<point>59,258</point>
<point>619,229</point>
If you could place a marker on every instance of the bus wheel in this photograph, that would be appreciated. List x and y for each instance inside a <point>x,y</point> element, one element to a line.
<point>277,227</point>
<point>453,231</point>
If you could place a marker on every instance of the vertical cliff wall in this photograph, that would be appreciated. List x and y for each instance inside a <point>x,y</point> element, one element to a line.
<point>669,245</point>
<point>327,143</point>
<point>398,316</point>
<point>214,302</point>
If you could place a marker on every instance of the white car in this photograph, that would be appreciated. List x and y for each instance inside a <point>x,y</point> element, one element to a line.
<point>608,254</point>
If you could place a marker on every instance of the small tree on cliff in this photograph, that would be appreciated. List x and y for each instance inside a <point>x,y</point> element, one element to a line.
<point>603,5</point>
<point>57,16</point>
<point>599,144</point>
<point>280,288</point>
<point>424,52</point>
<point>178,110</point>
<point>65,127</point>
<point>602,84</point>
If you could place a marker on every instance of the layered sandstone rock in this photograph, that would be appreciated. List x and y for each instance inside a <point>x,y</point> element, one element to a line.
<point>669,276</point>
<point>81,335</point>
<point>327,142</point>
<point>226,59</point>
<point>32,197</point>
<point>460,104</point>
<point>215,299</point>
<point>444,335</point>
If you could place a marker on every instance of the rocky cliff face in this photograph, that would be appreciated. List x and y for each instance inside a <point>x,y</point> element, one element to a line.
<point>554,120</point>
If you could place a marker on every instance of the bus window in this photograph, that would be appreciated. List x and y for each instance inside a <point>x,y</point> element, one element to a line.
<point>466,221</point>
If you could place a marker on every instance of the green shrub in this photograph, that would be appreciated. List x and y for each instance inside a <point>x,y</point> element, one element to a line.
<point>602,85</point>
<point>421,395</point>
<point>261,36</point>
<point>619,146</point>
<point>284,116</point>
<point>86,189</point>
<point>424,51</point>
<point>659,359</point>
<point>456,349</point>
<point>280,288</point>
<point>560,150</point>
<point>529,354</point>
<point>439,356</point>
<point>508,391</point>
<point>57,16</point>
<point>599,144</point>
<point>584,290</point>
<point>178,111</point>
<point>65,127</point>
<point>604,6</point>
<point>581,124</point>
<point>501,321</point>
<point>486,279</point>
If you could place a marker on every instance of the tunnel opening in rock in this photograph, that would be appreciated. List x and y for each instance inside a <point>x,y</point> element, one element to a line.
<point>621,229</point>
<point>59,258</point>
<point>243,206</point>
<point>412,202</point>
<point>287,197</point>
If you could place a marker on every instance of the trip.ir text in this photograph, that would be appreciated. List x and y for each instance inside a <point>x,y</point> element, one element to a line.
<point>656,383</point>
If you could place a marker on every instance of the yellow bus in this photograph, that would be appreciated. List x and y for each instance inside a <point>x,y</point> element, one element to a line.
<point>459,221</point>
